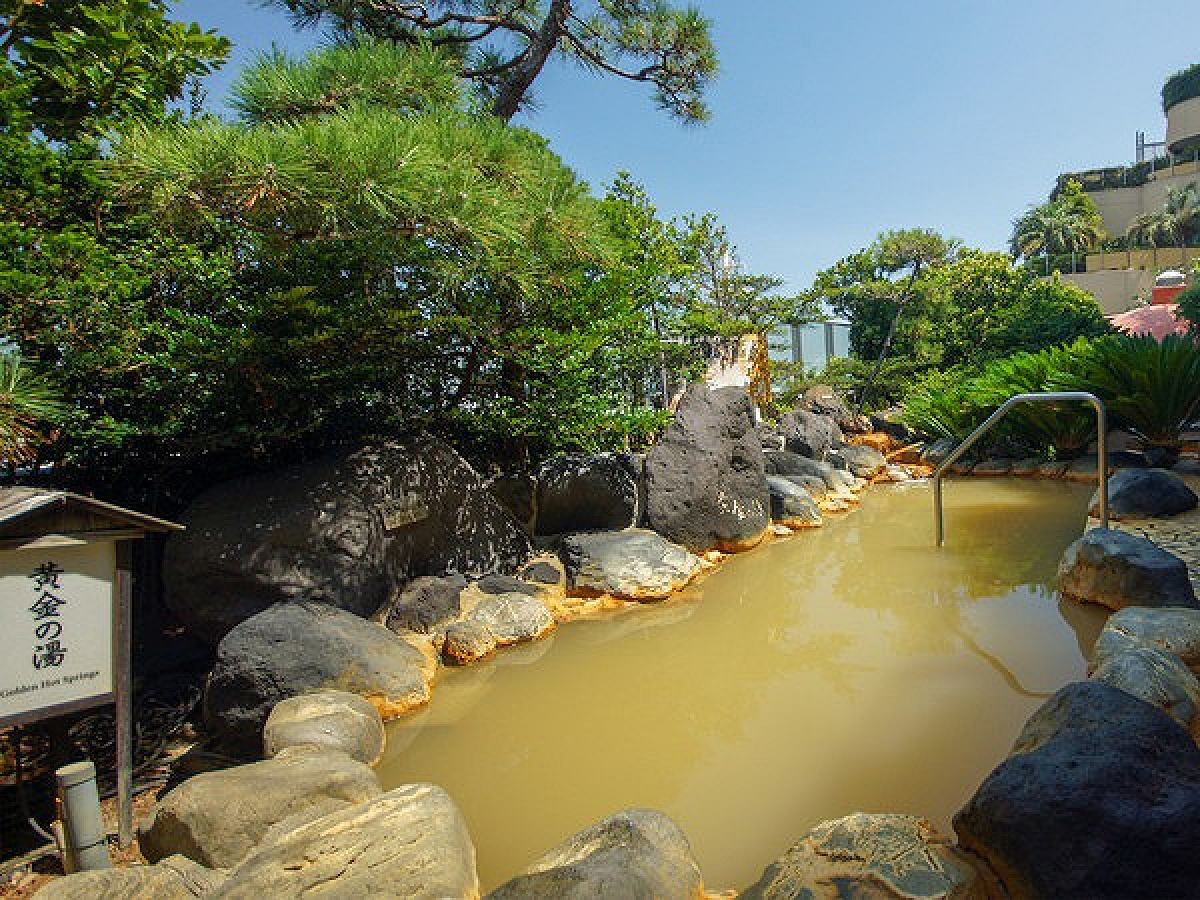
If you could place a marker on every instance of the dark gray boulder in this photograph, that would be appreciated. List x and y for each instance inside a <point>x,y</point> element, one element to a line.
<point>808,433</point>
<point>427,602</point>
<point>410,842</point>
<point>602,492</point>
<point>816,486</point>
<point>890,422</point>
<point>1100,800</point>
<point>637,564</point>
<point>863,461</point>
<point>540,572</point>
<point>791,504</point>
<point>505,584</point>
<point>1116,570</point>
<point>297,648</point>
<point>869,855</point>
<point>1173,630</point>
<point>705,483</point>
<point>516,492</point>
<point>344,531</point>
<point>782,462</point>
<point>1134,493</point>
<point>632,855</point>
<point>824,400</point>
<point>216,818</point>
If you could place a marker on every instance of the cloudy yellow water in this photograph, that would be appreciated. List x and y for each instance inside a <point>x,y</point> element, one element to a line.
<point>850,668</point>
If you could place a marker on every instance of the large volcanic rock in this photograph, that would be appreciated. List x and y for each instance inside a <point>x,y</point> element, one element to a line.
<point>590,493</point>
<point>1173,630</point>
<point>344,531</point>
<point>705,482</point>
<point>298,648</point>
<point>1100,800</point>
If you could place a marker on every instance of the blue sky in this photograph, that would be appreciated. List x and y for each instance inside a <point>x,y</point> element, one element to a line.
<point>834,121</point>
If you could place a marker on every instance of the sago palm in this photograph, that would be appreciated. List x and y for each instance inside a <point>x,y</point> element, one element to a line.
<point>1150,388</point>
<point>1067,426</point>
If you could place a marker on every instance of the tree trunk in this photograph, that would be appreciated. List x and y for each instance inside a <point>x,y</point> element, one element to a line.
<point>516,83</point>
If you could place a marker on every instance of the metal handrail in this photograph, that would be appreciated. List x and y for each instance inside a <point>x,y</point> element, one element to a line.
<point>1001,411</point>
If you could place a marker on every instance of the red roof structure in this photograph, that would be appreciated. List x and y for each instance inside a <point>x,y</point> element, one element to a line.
<point>1157,320</point>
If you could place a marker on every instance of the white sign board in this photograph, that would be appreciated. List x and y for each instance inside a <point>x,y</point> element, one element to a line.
<point>56,618</point>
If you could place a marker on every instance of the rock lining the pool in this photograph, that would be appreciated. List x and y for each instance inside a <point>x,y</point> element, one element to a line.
<point>402,538</point>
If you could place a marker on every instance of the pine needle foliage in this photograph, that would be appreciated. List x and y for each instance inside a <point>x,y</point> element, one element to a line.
<point>28,402</point>
<point>278,87</point>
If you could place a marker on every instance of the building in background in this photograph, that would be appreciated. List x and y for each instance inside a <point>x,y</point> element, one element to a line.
<point>812,345</point>
<point>1124,279</point>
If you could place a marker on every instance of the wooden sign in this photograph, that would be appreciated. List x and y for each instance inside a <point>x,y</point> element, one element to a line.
<point>57,618</point>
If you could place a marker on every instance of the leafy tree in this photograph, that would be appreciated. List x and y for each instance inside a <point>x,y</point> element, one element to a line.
<point>503,45</point>
<point>960,308</point>
<point>85,64</point>
<point>1068,223</point>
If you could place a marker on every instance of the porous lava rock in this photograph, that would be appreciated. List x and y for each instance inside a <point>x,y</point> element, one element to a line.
<point>297,648</point>
<point>345,531</point>
<point>602,492</point>
<point>1135,493</point>
<point>1175,630</point>
<point>638,853</point>
<point>410,842</point>
<point>875,855</point>
<point>216,818</point>
<point>636,564</point>
<point>706,487</point>
<point>1116,569</point>
<point>335,720</point>
<point>1100,800</point>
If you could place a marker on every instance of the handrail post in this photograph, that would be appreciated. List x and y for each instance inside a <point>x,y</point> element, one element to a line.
<point>996,416</point>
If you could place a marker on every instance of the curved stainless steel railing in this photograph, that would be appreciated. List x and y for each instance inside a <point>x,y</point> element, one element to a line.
<point>1001,411</point>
